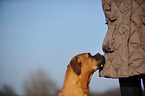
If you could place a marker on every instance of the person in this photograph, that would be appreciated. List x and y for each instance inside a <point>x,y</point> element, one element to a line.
<point>124,44</point>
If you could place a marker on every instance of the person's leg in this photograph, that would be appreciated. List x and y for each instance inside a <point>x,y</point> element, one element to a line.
<point>143,79</point>
<point>130,86</point>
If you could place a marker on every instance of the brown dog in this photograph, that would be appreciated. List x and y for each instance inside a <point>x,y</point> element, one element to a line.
<point>79,73</point>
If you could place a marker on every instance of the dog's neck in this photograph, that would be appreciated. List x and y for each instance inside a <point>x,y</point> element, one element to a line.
<point>81,81</point>
<point>85,81</point>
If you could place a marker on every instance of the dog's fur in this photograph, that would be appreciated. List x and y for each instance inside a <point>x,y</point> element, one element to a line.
<point>79,73</point>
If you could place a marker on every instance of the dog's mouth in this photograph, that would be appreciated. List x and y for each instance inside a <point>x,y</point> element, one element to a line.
<point>101,60</point>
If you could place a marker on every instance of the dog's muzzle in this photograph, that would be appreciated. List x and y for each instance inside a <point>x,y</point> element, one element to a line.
<point>101,60</point>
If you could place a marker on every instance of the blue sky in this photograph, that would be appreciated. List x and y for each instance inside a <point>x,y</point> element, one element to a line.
<point>47,34</point>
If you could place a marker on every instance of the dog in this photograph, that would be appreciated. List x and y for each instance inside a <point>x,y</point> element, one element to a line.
<point>79,73</point>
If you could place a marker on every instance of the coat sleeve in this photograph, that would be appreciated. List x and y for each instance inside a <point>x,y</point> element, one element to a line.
<point>106,4</point>
<point>106,46</point>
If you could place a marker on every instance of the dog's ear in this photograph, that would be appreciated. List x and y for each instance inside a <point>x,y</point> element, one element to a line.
<point>75,64</point>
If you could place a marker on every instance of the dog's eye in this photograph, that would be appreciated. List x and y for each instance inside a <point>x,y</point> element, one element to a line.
<point>89,55</point>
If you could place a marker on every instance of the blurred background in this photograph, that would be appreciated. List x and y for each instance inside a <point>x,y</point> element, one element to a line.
<point>38,38</point>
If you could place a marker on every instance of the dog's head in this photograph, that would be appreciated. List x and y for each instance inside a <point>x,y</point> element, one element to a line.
<point>87,63</point>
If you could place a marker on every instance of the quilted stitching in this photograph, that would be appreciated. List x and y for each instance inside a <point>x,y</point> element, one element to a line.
<point>127,39</point>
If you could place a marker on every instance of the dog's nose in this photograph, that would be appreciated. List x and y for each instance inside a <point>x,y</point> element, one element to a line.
<point>98,54</point>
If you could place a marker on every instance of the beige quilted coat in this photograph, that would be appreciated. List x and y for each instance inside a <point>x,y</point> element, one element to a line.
<point>124,44</point>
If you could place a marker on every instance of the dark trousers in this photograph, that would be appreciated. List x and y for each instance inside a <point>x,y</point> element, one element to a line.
<point>131,86</point>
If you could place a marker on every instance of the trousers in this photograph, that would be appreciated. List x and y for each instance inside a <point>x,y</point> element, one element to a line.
<point>131,86</point>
